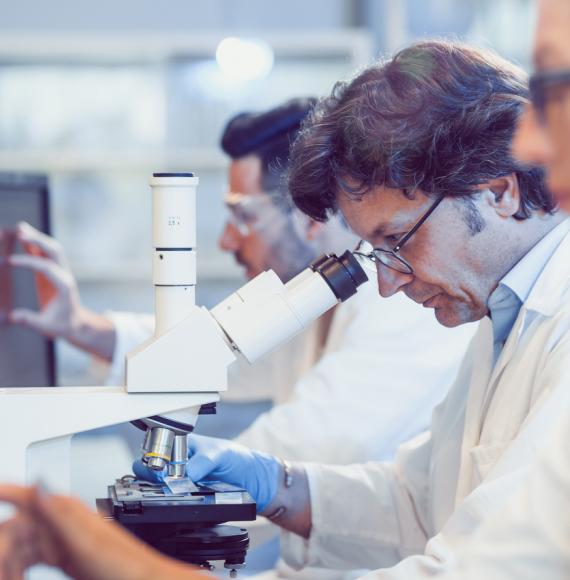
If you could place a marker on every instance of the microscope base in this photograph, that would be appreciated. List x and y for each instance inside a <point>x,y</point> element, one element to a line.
<point>186,526</point>
<point>199,546</point>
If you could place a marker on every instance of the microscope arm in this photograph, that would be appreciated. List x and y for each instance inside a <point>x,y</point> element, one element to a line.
<point>39,422</point>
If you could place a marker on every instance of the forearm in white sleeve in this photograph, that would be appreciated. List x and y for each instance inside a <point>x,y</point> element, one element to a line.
<point>509,487</point>
<point>339,419</point>
<point>365,516</point>
<point>529,537</point>
<point>131,330</point>
<point>389,364</point>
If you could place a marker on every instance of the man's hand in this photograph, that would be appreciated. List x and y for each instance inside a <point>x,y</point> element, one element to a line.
<point>61,314</point>
<point>62,532</point>
<point>18,547</point>
<point>218,459</point>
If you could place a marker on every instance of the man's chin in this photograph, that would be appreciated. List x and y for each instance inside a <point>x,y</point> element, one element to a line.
<point>450,317</point>
<point>563,200</point>
<point>457,313</point>
<point>251,273</point>
<point>446,319</point>
<point>559,187</point>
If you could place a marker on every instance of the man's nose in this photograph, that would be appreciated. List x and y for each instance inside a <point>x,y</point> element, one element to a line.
<point>391,281</point>
<point>230,239</point>
<point>531,143</point>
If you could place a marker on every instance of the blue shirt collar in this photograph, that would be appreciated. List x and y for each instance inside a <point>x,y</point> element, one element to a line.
<point>515,287</point>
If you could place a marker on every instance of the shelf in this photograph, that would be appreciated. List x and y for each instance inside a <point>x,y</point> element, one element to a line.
<point>121,48</point>
<point>66,160</point>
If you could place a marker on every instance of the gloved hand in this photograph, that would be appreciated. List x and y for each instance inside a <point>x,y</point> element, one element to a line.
<point>60,314</point>
<point>57,290</point>
<point>219,459</point>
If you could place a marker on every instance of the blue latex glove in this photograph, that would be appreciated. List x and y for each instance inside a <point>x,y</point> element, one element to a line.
<point>141,471</point>
<point>220,459</point>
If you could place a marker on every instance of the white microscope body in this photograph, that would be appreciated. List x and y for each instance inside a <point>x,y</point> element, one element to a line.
<point>192,347</point>
<point>39,423</point>
<point>183,366</point>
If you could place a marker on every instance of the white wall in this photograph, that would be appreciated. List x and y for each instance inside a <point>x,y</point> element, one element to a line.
<point>156,15</point>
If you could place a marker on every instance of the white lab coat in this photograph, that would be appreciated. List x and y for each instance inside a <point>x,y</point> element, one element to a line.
<point>384,365</point>
<point>529,536</point>
<point>415,513</point>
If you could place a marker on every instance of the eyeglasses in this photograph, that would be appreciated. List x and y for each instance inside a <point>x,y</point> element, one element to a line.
<point>251,212</point>
<point>391,258</point>
<point>541,84</point>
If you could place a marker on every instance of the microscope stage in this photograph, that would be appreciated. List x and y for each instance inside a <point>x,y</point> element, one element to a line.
<point>133,501</point>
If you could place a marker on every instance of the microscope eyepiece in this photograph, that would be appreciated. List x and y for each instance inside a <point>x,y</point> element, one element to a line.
<point>184,174</point>
<point>342,274</point>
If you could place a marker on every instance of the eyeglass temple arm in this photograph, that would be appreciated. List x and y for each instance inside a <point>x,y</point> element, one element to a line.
<point>407,236</point>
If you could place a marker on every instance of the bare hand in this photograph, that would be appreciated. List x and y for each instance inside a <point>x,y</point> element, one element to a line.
<point>62,532</point>
<point>18,547</point>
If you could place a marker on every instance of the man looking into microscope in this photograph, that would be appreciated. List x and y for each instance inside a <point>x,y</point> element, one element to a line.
<point>347,389</point>
<point>415,154</point>
<point>352,363</point>
<point>480,446</point>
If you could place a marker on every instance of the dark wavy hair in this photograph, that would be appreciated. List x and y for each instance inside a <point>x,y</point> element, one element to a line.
<point>267,134</point>
<point>438,117</point>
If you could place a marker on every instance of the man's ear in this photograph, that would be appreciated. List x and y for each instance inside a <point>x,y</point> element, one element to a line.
<point>505,195</point>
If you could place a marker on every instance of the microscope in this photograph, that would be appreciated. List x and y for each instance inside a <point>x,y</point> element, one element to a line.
<point>190,351</point>
<point>170,379</point>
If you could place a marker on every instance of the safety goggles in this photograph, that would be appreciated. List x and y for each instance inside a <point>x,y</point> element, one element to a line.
<point>251,212</point>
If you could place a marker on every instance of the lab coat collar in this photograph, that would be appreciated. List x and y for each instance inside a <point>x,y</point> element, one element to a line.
<point>545,298</point>
<point>545,292</point>
<point>548,292</point>
<point>524,275</point>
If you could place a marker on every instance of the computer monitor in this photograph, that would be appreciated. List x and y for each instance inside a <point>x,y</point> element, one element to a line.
<point>27,359</point>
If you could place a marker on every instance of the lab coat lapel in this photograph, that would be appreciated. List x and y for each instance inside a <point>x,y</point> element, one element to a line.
<point>504,358</point>
<point>544,300</point>
<point>507,390</point>
<point>477,391</point>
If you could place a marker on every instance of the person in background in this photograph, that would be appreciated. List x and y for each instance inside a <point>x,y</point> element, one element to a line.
<point>362,379</point>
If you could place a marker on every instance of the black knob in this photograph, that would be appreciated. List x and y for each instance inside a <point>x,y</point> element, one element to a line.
<point>343,275</point>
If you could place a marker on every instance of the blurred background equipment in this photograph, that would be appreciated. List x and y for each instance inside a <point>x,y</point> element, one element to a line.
<point>26,358</point>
